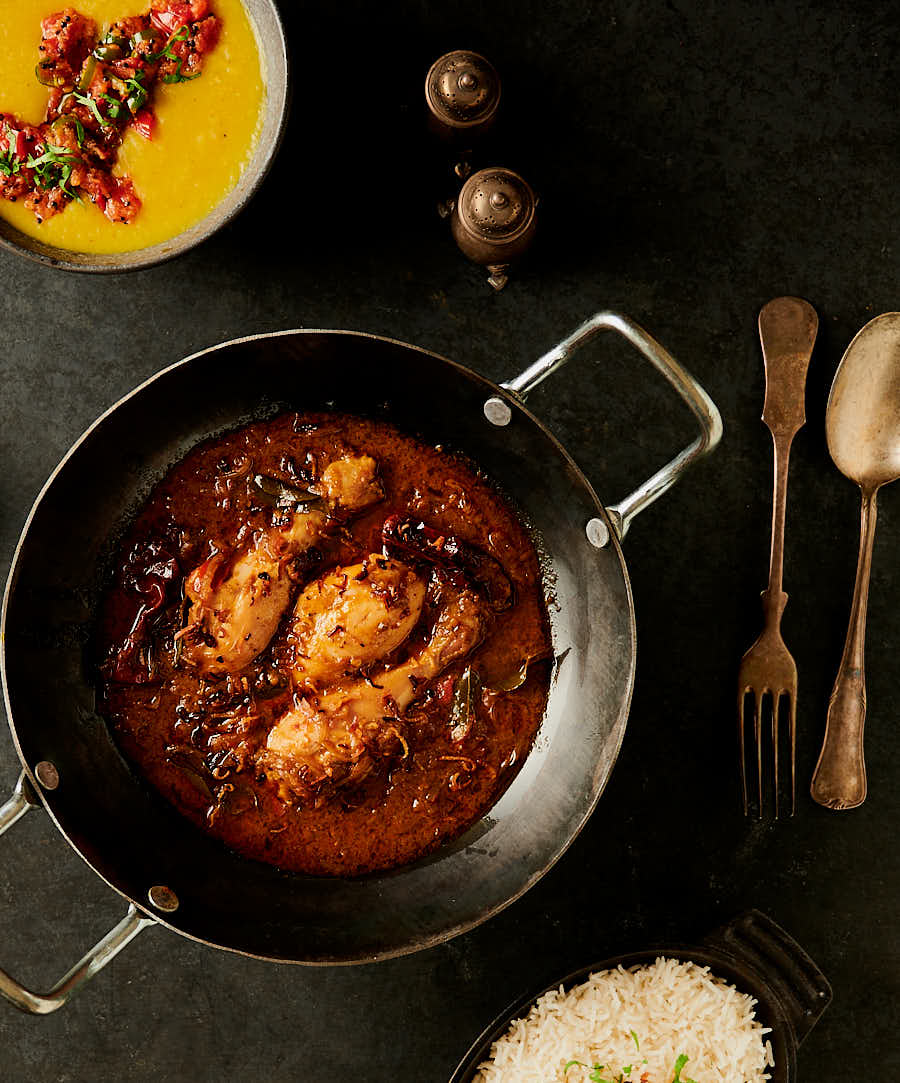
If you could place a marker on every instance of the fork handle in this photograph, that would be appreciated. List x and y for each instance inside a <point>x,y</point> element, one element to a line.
<point>774,598</point>
<point>839,780</point>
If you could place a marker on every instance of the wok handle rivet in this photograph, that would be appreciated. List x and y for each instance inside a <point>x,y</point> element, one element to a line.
<point>497,411</point>
<point>163,898</point>
<point>597,533</point>
<point>46,773</point>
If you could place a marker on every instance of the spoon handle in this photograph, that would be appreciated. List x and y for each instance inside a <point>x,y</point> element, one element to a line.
<point>839,780</point>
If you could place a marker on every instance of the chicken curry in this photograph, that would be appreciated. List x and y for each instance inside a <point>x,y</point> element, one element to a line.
<point>326,643</point>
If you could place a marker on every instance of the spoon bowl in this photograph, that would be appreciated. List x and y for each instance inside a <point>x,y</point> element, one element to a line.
<point>862,422</point>
<point>862,425</point>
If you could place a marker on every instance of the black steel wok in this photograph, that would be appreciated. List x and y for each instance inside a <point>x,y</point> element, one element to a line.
<point>170,871</point>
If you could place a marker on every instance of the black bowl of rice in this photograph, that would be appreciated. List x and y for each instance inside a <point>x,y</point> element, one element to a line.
<point>731,1010</point>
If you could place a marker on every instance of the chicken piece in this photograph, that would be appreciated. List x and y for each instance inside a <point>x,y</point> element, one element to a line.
<point>237,603</point>
<point>352,617</point>
<point>335,736</point>
<point>350,483</point>
<point>238,599</point>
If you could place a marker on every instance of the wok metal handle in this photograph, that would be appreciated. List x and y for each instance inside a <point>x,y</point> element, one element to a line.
<point>704,409</point>
<point>24,800</point>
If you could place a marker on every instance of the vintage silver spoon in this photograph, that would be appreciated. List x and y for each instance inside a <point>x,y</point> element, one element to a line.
<point>862,424</point>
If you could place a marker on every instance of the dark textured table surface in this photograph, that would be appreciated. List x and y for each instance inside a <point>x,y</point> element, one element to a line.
<point>694,160</point>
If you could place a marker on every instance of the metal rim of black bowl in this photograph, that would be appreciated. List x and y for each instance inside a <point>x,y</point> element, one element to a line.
<point>266,22</point>
<point>751,952</point>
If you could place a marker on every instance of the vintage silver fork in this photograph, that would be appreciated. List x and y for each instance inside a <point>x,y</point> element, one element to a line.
<point>787,332</point>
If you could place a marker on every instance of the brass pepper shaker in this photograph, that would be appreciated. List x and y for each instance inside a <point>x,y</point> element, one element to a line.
<point>494,220</point>
<point>462,91</point>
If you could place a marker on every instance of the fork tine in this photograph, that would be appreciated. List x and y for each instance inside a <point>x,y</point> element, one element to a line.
<point>742,751</point>
<point>792,697</point>
<point>757,733</point>
<point>776,703</point>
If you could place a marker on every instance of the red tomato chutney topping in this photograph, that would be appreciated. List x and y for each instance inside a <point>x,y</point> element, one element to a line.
<point>99,86</point>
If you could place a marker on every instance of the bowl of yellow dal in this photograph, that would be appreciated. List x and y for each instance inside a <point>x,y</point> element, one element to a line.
<point>214,140</point>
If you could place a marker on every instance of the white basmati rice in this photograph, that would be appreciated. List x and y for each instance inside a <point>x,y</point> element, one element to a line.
<point>669,1009</point>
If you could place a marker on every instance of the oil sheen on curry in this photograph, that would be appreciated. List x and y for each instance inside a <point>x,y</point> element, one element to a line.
<point>326,643</point>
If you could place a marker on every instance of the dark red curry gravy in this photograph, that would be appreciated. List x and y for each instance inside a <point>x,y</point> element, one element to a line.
<point>457,746</point>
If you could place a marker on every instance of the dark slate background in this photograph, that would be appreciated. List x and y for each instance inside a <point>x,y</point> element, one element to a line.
<point>694,160</point>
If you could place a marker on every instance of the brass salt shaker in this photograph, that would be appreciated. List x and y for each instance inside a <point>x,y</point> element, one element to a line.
<point>462,92</point>
<point>494,221</point>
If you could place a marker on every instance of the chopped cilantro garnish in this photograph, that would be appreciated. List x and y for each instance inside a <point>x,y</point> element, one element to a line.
<point>178,76</point>
<point>181,34</point>
<point>166,54</point>
<point>63,183</point>
<point>9,161</point>
<point>637,1044</point>
<point>113,105</point>
<point>595,1077</point>
<point>137,94</point>
<point>53,168</point>
<point>9,164</point>
<point>89,103</point>
<point>679,1064</point>
<point>51,156</point>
